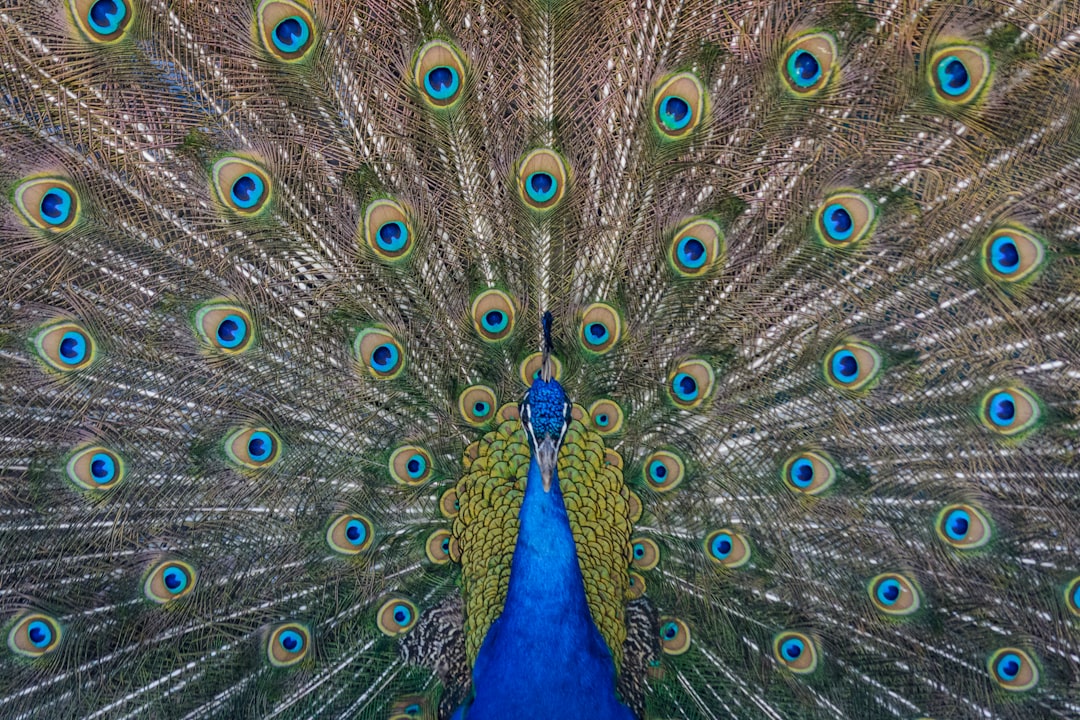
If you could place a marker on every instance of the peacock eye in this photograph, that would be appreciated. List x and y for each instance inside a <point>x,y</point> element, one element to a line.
<point>349,534</point>
<point>958,74</point>
<point>34,634</point>
<point>1013,669</point>
<point>809,63</point>
<point>438,547</point>
<point>894,594</point>
<point>439,73</point>
<point>1009,411</point>
<point>727,548</point>
<point>65,346</point>
<point>696,247</point>
<point>493,315</point>
<point>286,28</point>
<point>963,526</point>
<point>410,465</point>
<point>1072,596</point>
<point>377,350</point>
<point>397,616</point>
<point>476,403</point>
<point>690,384</point>
<point>529,369</point>
<point>542,179</point>
<point>102,21</point>
<point>664,470</point>
<point>607,417</point>
<point>1012,254</point>
<point>387,230</point>
<point>600,328</point>
<point>224,327</point>
<point>169,581</point>
<point>844,219</point>
<point>852,366</point>
<point>796,651</point>
<point>809,472</point>
<point>253,448</point>
<point>48,203</point>
<point>678,105</point>
<point>288,644</point>
<point>242,186</point>
<point>448,503</point>
<point>95,468</point>
<point>644,553</point>
<point>674,636</point>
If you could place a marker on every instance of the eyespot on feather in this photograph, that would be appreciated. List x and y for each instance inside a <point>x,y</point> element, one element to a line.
<point>168,581</point>
<point>808,472</point>
<point>48,203</point>
<point>379,352</point>
<point>253,448</point>
<point>542,179</point>
<point>349,534</point>
<point>696,247</point>
<point>411,707</point>
<point>34,634</point>
<point>606,416</point>
<point>809,64</point>
<point>288,644</point>
<point>852,366</point>
<point>102,21</point>
<point>644,553</point>
<point>439,74</point>
<point>1012,254</point>
<point>225,327</point>
<point>397,616</point>
<point>844,219</point>
<point>65,346</point>
<point>894,594</point>
<point>600,328</point>
<point>690,384</point>
<point>636,586</point>
<point>674,636</point>
<point>795,651</point>
<point>530,368</point>
<point>678,105</point>
<point>493,315</point>
<point>727,548</point>
<point>1013,669</point>
<point>663,471</point>
<point>410,465</point>
<point>286,29</point>
<point>242,186</point>
<point>477,405</point>
<point>1072,596</point>
<point>438,545</point>
<point>95,468</point>
<point>958,74</point>
<point>963,526</point>
<point>1009,411</point>
<point>388,231</point>
<point>448,503</point>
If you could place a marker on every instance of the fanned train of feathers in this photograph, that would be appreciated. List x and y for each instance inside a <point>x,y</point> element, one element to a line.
<point>814,274</point>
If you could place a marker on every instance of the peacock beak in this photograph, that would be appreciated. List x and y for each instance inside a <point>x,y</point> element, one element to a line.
<point>547,455</point>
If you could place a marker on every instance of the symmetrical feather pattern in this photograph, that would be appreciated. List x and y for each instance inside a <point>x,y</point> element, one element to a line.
<point>273,277</point>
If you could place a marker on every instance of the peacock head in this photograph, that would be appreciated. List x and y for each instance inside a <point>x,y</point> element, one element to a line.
<point>545,413</point>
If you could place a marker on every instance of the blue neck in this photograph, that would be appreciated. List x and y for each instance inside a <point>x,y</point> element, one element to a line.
<point>543,657</point>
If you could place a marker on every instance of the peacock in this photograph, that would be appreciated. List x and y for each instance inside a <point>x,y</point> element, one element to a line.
<point>434,359</point>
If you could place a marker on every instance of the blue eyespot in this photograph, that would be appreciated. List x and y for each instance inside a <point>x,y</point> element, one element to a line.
<point>602,420</point>
<point>675,112</point>
<point>685,387</point>
<point>953,77</point>
<point>231,331</point>
<point>73,347</point>
<point>392,236</point>
<point>658,471</point>
<point>56,206</point>
<point>691,252</point>
<point>416,466</point>
<point>384,357</point>
<point>802,473</point>
<point>803,68</point>
<point>40,633</point>
<point>175,580</point>
<point>402,614</point>
<point>721,546</point>
<point>792,649</point>
<point>1002,409</point>
<point>888,591</point>
<point>596,333</point>
<point>669,631</point>
<point>356,532</point>
<point>260,446</point>
<point>102,468</point>
<point>481,408</point>
<point>639,550</point>
<point>495,321</point>
<point>957,523</point>
<point>1005,255</point>
<point>291,640</point>
<point>106,16</point>
<point>541,186</point>
<point>247,190</point>
<point>1008,666</point>
<point>838,222</point>
<point>845,367</point>
<point>441,82</point>
<point>291,34</point>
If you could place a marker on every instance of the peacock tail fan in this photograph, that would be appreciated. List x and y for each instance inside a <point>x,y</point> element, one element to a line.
<point>273,277</point>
